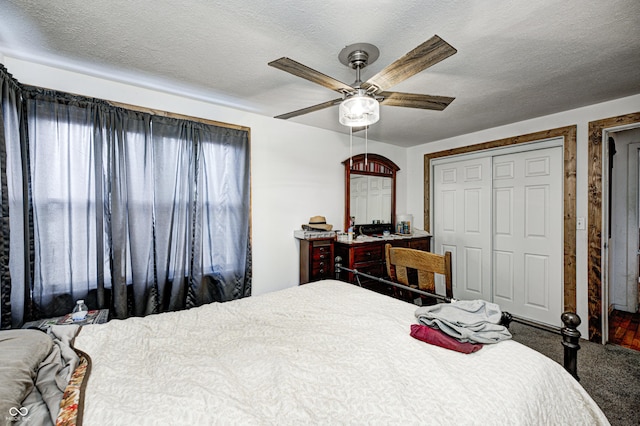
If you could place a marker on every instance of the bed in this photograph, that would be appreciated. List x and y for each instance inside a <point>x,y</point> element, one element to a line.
<point>323,353</point>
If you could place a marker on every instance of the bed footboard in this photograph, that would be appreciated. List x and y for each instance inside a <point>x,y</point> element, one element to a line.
<point>571,320</point>
<point>570,341</point>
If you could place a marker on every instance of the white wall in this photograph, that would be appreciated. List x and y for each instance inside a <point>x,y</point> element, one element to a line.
<point>580,117</point>
<point>296,170</point>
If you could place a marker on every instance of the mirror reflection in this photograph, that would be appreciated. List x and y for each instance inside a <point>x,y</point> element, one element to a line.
<point>370,199</point>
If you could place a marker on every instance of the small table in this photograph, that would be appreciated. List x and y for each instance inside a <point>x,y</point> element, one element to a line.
<point>93,317</point>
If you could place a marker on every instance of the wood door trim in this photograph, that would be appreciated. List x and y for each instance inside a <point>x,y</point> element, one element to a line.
<point>569,225</point>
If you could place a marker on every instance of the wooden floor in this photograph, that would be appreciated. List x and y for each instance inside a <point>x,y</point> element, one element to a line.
<point>624,329</point>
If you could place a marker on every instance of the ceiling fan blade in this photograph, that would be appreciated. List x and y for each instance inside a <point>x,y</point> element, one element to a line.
<point>310,109</point>
<point>413,100</point>
<point>303,71</point>
<point>422,57</point>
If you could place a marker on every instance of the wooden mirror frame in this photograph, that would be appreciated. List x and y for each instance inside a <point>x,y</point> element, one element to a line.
<point>377,165</point>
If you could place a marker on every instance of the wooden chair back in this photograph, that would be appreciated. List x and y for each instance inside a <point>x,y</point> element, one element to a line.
<point>401,261</point>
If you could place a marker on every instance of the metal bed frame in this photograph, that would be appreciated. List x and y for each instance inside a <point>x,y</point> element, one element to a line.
<point>571,320</point>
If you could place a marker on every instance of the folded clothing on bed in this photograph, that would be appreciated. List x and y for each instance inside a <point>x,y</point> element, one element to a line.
<point>438,338</point>
<point>474,321</point>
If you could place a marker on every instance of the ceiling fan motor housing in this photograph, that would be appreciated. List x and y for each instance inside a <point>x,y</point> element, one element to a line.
<point>358,59</point>
<point>358,55</point>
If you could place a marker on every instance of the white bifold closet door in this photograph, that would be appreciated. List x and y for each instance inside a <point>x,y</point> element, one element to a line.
<point>501,216</point>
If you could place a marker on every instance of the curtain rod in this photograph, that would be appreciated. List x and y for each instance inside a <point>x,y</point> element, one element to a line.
<point>178,116</point>
<point>144,109</point>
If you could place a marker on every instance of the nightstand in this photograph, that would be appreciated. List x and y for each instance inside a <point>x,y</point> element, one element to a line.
<point>316,259</point>
<point>93,317</point>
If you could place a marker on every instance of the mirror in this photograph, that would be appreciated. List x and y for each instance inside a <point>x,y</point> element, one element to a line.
<point>370,190</point>
<point>370,199</point>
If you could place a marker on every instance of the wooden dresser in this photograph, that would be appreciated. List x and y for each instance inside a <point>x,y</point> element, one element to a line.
<point>316,259</point>
<point>368,255</point>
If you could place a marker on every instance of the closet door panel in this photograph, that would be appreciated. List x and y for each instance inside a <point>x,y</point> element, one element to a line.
<point>462,224</point>
<point>528,207</point>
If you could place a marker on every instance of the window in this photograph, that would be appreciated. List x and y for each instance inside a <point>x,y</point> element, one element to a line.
<point>153,210</point>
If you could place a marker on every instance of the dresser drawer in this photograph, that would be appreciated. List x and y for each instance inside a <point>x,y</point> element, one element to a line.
<point>376,269</point>
<point>321,253</point>
<point>321,263</point>
<point>422,244</point>
<point>372,253</point>
<point>321,271</point>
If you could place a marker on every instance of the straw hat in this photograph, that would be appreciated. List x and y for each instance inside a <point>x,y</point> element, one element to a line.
<point>318,222</point>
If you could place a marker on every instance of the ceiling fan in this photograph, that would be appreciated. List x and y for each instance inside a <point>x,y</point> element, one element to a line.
<point>360,101</point>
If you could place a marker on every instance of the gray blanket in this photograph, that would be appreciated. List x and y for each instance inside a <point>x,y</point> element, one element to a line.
<point>34,371</point>
<point>474,321</point>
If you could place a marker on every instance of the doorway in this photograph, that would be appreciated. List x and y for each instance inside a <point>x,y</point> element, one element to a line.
<point>597,264</point>
<point>623,222</point>
<point>623,238</point>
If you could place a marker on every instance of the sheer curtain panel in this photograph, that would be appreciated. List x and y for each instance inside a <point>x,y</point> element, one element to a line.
<point>179,219</point>
<point>63,197</point>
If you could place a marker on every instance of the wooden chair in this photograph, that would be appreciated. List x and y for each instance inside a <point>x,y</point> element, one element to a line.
<point>404,264</point>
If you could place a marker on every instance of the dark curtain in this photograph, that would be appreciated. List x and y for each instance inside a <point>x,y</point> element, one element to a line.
<point>132,211</point>
<point>15,250</point>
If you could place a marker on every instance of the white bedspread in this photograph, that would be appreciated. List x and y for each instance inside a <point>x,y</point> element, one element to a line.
<point>322,353</point>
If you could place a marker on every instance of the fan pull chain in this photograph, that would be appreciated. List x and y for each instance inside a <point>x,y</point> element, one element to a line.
<point>351,147</point>
<point>366,146</point>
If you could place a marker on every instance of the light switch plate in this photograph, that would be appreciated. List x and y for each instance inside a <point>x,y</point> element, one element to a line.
<point>580,223</point>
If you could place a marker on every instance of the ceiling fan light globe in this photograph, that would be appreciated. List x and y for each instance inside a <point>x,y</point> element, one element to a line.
<point>359,111</point>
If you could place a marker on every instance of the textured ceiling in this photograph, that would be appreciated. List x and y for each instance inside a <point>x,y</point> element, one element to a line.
<point>516,59</point>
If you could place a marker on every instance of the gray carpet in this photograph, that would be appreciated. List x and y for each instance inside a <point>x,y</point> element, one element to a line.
<point>609,373</point>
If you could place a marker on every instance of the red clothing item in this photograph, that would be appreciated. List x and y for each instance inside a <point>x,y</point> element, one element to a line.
<point>438,338</point>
